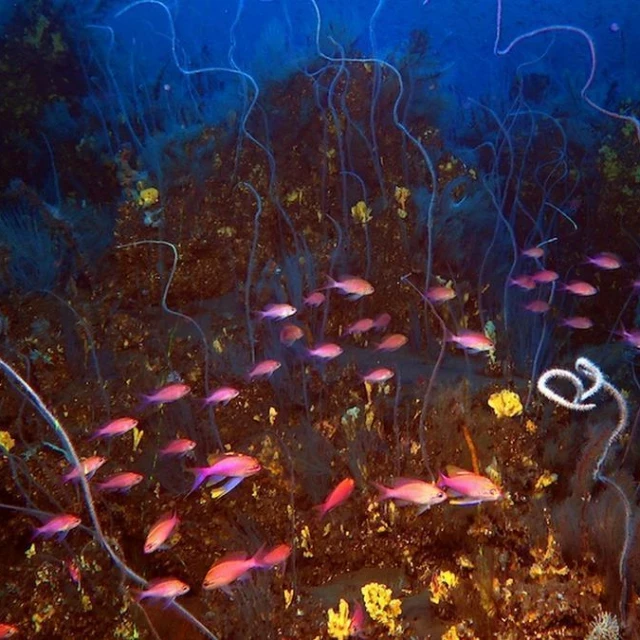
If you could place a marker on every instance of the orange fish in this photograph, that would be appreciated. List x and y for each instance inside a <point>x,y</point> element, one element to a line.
<point>336,497</point>
<point>232,567</point>
<point>161,531</point>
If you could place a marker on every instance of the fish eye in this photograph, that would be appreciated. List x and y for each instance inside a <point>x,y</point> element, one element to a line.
<point>493,492</point>
<point>440,494</point>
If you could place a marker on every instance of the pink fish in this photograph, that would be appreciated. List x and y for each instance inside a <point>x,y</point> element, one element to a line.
<point>439,294</point>
<point>161,531</point>
<point>411,491</point>
<point>59,525</point>
<point>74,571</point>
<point>579,288</point>
<point>232,567</point>
<point>230,465</point>
<point>122,481</point>
<point>533,252</point>
<point>315,299</point>
<point>336,497</point>
<point>392,342</point>
<point>524,282</point>
<point>88,466</point>
<point>264,369</point>
<point>631,337</point>
<point>355,288</point>
<point>178,447</point>
<point>290,333</point>
<point>170,393</point>
<point>577,322</point>
<point>326,351</point>
<point>537,306</point>
<point>7,630</point>
<point>360,326</point>
<point>606,260</point>
<point>115,428</point>
<point>164,589</point>
<point>378,376</point>
<point>473,341</point>
<point>276,555</point>
<point>545,276</point>
<point>221,395</point>
<point>465,487</point>
<point>357,622</point>
<point>381,322</point>
<point>277,311</point>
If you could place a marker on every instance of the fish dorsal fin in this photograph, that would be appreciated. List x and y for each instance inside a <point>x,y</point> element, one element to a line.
<point>233,556</point>
<point>403,482</point>
<point>454,472</point>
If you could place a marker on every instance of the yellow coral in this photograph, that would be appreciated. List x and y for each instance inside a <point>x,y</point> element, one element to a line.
<point>339,622</point>
<point>441,586</point>
<point>381,607</point>
<point>6,441</point>
<point>505,403</point>
<point>148,197</point>
<point>360,212</point>
<point>402,195</point>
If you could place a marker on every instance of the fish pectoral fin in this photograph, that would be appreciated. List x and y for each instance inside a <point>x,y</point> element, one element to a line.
<point>465,502</point>
<point>228,486</point>
<point>422,509</point>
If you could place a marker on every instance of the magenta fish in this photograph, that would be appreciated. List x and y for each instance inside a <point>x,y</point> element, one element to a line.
<point>605,260</point>
<point>231,465</point>
<point>533,252</point>
<point>378,376</point>
<point>115,428</point>
<point>577,322</point>
<point>315,299</point>
<point>178,447</point>
<point>123,481</point>
<point>161,531</point>
<point>277,311</point>
<point>326,351</point>
<point>579,288</point>
<point>276,555</point>
<point>354,288</point>
<point>232,567</point>
<point>473,341</point>
<point>59,525</point>
<point>545,276</point>
<point>264,369</point>
<point>164,589</point>
<point>290,333</point>
<point>439,294</point>
<point>381,322</point>
<point>221,395</point>
<point>537,306</point>
<point>88,466</point>
<point>360,326</point>
<point>466,488</point>
<point>523,282</point>
<point>392,342</point>
<point>407,491</point>
<point>170,393</point>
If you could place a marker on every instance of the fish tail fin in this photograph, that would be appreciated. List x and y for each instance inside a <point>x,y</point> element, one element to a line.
<point>319,511</point>
<point>383,492</point>
<point>200,476</point>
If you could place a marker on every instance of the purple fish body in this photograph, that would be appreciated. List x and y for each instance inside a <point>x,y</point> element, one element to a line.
<point>467,488</point>
<point>164,589</point>
<point>59,525</point>
<point>170,393</point>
